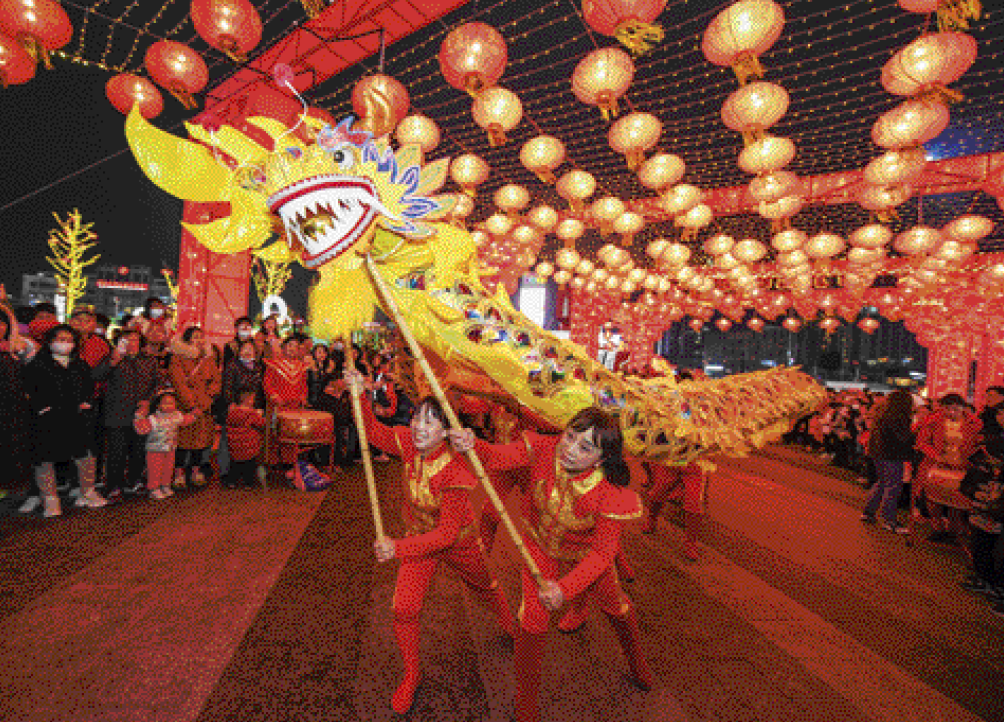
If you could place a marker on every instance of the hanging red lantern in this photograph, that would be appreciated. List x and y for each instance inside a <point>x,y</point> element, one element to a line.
<point>125,90</point>
<point>868,325</point>
<point>41,26</point>
<point>696,324</point>
<point>741,33</point>
<point>755,324</point>
<point>497,111</point>
<point>630,21</point>
<point>381,102</point>
<point>232,26</point>
<point>473,57</point>
<point>602,77</point>
<point>16,65</point>
<point>178,69</point>
<point>723,324</point>
<point>792,324</point>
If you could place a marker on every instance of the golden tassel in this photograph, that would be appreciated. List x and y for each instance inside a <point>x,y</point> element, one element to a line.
<point>546,176</point>
<point>313,8</point>
<point>37,51</point>
<point>639,37</point>
<point>957,14</point>
<point>746,67</point>
<point>496,136</point>
<point>607,104</point>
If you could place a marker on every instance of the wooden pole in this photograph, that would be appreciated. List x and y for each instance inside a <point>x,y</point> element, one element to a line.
<point>364,446</point>
<point>437,390</point>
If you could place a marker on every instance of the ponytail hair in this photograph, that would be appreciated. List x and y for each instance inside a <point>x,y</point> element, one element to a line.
<point>607,436</point>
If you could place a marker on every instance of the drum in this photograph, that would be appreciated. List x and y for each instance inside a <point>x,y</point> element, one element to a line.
<point>305,426</point>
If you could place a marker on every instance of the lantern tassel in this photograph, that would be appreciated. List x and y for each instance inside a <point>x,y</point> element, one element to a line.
<point>957,14</point>
<point>184,97</point>
<point>232,50</point>
<point>607,104</point>
<point>747,66</point>
<point>639,37</point>
<point>37,51</point>
<point>313,8</point>
<point>941,94</point>
<point>546,176</point>
<point>496,136</point>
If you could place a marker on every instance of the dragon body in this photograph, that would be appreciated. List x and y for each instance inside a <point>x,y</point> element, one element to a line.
<point>339,195</point>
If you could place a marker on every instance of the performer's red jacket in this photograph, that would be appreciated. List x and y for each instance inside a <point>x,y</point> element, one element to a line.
<point>572,519</point>
<point>437,510</point>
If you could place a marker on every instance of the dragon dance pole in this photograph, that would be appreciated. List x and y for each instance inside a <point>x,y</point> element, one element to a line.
<point>437,390</point>
<point>364,446</point>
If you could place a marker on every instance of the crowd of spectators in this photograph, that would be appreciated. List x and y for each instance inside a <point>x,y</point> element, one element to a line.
<point>942,460</point>
<point>93,412</point>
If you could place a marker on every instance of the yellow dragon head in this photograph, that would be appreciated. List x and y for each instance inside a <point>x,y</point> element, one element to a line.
<point>325,197</point>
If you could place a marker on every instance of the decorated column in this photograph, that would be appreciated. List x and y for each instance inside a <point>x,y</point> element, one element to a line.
<point>212,288</point>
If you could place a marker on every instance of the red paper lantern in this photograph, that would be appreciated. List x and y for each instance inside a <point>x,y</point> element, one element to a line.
<point>723,324</point>
<point>41,26</point>
<point>696,324</point>
<point>178,69</point>
<point>125,90</point>
<point>380,102</point>
<point>792,324</point>
<point>232,26</point>
<point>630,21</point>
<point>868,325</point>
<point>16,65</point>
<point>756,324</point>
<point>473,57</point>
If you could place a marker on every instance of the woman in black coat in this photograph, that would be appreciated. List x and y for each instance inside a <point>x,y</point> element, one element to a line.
<point>60,390</point>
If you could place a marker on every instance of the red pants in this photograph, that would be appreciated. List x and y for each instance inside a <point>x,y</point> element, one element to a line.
<point>606,591</point>
<point>684,483</point>
<point>415,574</point>
<point>159,468</point>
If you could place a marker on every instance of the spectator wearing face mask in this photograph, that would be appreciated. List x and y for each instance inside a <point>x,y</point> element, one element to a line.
<point>60,390</point>
<point>154,312</point>
<point>243,331</point>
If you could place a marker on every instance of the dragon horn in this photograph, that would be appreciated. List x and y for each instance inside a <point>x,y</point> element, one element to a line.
<point>184,169</point>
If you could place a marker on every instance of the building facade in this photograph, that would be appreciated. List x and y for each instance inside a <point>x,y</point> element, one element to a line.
<point>111,290</point>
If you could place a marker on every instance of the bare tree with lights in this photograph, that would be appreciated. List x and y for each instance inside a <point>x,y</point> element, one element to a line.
<point>270,277</point>
<point>69,243</point>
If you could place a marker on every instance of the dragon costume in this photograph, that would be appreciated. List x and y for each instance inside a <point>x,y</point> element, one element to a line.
<point>340,195</point>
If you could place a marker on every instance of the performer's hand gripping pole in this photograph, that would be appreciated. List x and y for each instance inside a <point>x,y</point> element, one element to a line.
<point>357,413</point>
<point>437,390</point>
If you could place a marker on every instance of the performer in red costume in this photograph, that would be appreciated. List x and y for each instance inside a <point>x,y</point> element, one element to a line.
<point>285,382</point>
<point>439,527</point>
<point>676,482</point>
<point>572,513</point>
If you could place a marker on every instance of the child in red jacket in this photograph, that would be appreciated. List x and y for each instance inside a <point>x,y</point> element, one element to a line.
<point>245,435</point>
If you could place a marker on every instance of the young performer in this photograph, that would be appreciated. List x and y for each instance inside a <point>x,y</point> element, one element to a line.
<point>573,513</point>
<point>439,523</point>
<point>285,383</point>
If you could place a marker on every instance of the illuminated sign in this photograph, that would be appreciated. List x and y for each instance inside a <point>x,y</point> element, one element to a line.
<point>124,285</point>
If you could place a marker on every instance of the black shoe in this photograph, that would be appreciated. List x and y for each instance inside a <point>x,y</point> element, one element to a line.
<point>867,518</point>
<point>940,537</point>
<point>976,585</point>
<point>115,495</point>
<point>135,489</point>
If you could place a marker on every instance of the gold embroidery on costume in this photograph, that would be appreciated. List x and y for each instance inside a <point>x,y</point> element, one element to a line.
<point>421,505</point>
<point>557,511</point>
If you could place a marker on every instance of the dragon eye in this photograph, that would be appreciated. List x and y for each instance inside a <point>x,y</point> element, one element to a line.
<point>343,157</point>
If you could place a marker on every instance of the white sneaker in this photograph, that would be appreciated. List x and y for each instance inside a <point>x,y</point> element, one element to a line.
<point>30,505</point>
<point>158,494</point>
<point>167,491</point>
<point>91,500</point>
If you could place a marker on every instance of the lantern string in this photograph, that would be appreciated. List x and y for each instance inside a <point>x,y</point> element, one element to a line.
<point>74,174</point>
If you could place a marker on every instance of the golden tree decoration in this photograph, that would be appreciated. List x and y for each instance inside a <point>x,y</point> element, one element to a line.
<point>69,243</point>
<point>270,277</point>
<point>313,8</point>
<point>172,284</point>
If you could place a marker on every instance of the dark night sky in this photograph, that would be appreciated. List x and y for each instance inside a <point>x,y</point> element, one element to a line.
<point>56,125</point>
